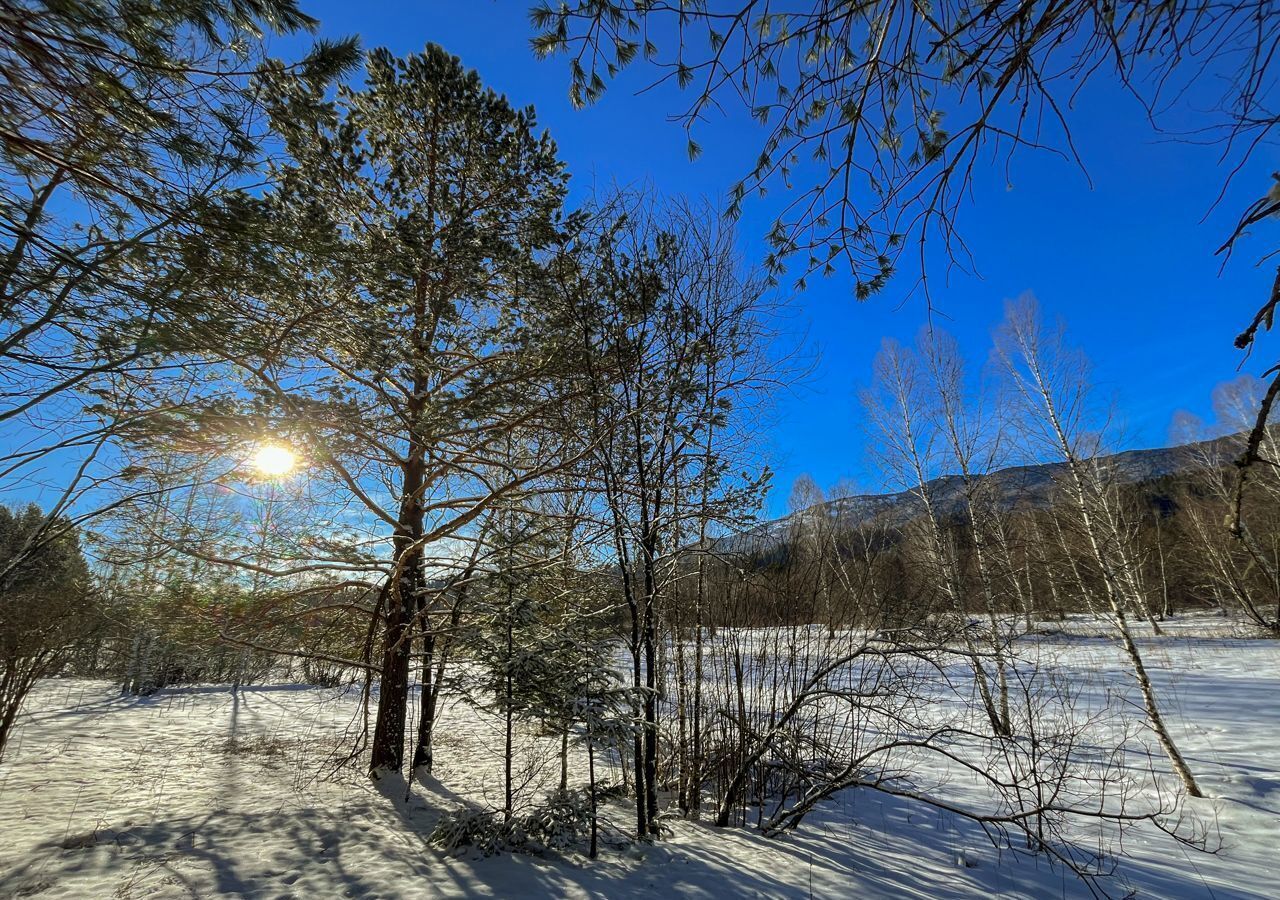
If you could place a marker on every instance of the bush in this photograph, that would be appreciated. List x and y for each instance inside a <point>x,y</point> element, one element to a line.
<point>49,607</point>
<point>483,830</point>
<point>558,824</point>
<point>561,822</point>
<point>322,673</point>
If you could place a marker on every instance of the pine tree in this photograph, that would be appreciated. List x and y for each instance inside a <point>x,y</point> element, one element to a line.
<point>410,316</point>
<point>46,607</point>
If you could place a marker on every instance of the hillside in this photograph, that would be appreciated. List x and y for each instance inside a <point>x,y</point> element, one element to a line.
<point>1027,485</point>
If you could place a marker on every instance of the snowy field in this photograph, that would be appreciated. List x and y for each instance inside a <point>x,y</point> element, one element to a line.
<point>196,792</point>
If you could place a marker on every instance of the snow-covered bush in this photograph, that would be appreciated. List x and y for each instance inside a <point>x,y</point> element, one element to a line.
<point>562,821</point>
<point>483,830</point>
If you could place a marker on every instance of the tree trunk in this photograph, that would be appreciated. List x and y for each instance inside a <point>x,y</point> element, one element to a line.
<point>564,761</point>
<point>1180,767</point>
<point>423,757</point>
<point>393,686</point>
<point>651,690</point>
<point>402,599</point>
<point>508,713</point>
<point>591,786</point>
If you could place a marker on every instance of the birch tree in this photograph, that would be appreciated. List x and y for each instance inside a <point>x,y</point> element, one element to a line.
<point>1050,379</point>
<point>902,409</point>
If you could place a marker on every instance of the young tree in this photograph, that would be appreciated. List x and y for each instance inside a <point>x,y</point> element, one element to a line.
<point>539,634</point>
<point>971,448</point>
<point>904,407</point>
<point>672,331</point>
<point>509,635</point>
<point>1239,566</point>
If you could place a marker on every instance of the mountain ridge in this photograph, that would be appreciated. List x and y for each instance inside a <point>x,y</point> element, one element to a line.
<point>1030,484</point>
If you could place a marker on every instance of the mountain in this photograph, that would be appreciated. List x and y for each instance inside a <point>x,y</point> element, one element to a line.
<point>1031,485</point>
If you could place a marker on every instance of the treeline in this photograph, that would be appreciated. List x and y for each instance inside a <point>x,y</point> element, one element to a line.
<point>1181,504</point>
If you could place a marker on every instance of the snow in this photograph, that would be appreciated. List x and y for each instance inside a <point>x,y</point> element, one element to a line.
<point>199,792</point>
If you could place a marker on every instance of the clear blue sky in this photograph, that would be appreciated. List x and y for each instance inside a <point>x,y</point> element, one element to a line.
<point>1127,261</point>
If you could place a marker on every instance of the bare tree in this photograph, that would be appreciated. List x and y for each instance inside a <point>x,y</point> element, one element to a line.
<point>1241,570</point>
<point>901,406</point>
<point>1051,380</point>
<point>672,327</point>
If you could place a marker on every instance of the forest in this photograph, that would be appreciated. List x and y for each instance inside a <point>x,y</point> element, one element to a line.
<point>330,402</point>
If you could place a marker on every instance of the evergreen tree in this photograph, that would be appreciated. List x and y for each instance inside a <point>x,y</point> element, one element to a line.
<point>543,644</point>
<point>46,606</point>
<point>410,315</point>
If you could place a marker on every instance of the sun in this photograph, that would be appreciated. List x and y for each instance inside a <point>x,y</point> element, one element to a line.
<point>274,461</point>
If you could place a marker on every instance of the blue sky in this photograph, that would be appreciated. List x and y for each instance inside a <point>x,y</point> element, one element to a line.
<point>1125,255</point>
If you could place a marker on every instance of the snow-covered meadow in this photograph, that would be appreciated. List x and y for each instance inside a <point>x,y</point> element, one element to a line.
<point>197,792</point>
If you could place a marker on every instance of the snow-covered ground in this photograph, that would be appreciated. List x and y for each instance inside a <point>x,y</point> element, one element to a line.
<point>196,792</point>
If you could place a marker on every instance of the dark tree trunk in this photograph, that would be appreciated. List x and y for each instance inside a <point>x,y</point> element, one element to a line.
<point>564,760</point>
<point>651,719</point>
<point>393,687</point>
<point>591,785</point>
<point>402,602</point>
<point>423,757</point>
<point>508,714</point>
<point>404,597</point>
<point>639,771</point>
